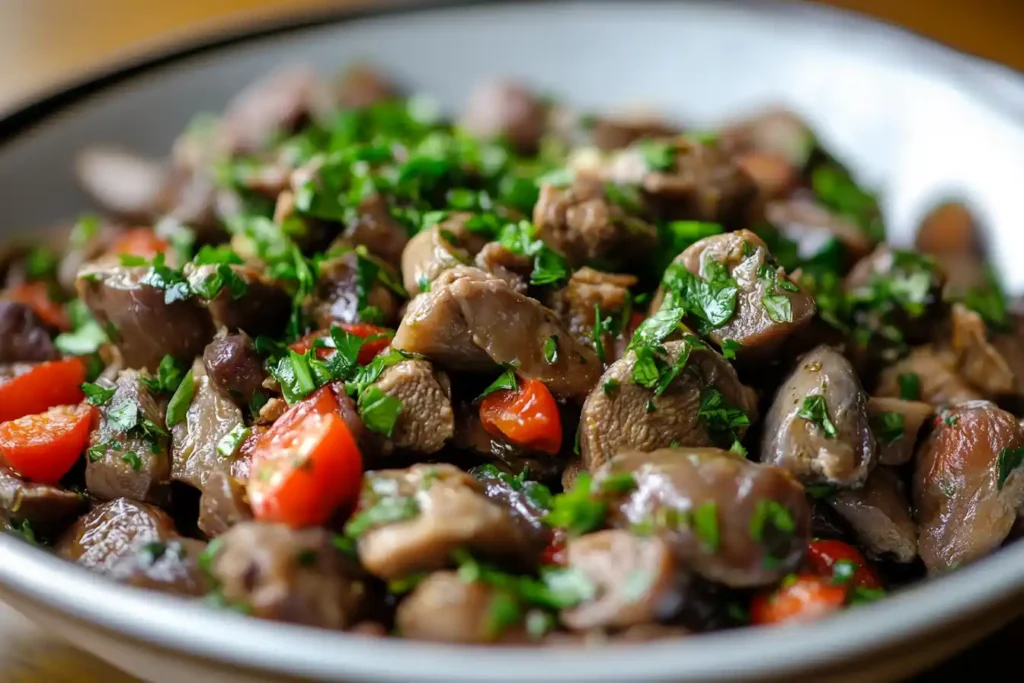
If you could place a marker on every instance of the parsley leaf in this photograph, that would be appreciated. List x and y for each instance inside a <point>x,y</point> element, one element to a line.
<point>551,349</point>
<point>711,300</point>
<point>506,381</point>
<point>778,307</point>
<point>910,386</point>
<point>705,524</point>
<point>133,459</point>
<point>770,514</point>
<point>721,419</point>
<point>181,400</point>
<point>386,510</point>
<point>222,277</point>
<point>549,267</point>
<point>1009,459</point>
<point>379,410</point>
<point>171,281</point>
<point>575,510</point>
<point>836,189</point>
<point>659,156</point>
<point>168,376</point>
<point>815,410</point>
<point>98,395</point>
<point>729,348</point>
<point>889,426</point>
<point>230,442</point>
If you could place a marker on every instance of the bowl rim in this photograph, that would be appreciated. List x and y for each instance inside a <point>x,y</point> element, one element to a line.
<point>146,618</point>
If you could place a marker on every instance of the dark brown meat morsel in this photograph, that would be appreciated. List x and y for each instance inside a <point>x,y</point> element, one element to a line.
<point>949,228</point>
<point>362,85</point>
<point>472,321</point>
<point>897,447</point>
<point>143,326</point>
<point>587,292</point>
<point>426,421</point>
<point>133,463</point>
<point>772,131</point>
<point>968,485</point>
<point>810,449</point>
<point>262,306</point>
<point>585,224</point>
<point>432,251</point>
<point>443,608</point>
<point>730,520</point>
<point>879,514</point>
<point>337,296</point>
<point>210,417</point>
<point>936,375</point>
<point>616,132</point>
<point>528,502</point>
<point>745,257</point>
<point>978,361</point>
<point>288,575</point>
<point>105,535</point>
<point>619,415</point>
<point>44,506</point>
<point>446,510</point>
<point>168,566</point>
<point>124,184</point>
<point>376,229</point>
<point>513,268</point>
<point>24,337</point>
<point>472,437</point>
<point>222,505</point>
<point>234,366</point>
<point>703,183</point>
<point>812,226</point>
<point>505,110</point>
<point>636,580</point>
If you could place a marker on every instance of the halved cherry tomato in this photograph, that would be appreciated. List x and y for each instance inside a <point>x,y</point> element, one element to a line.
<point>307,466</point>
<point>527,417</point>
<point>554,553</point>
<point>37,296</point>
<point>140,242</point>
<point>44,447</point>
<point>801,597</point>
<point>822,557</point>
<point>53,383</point>
<point>367,352</point>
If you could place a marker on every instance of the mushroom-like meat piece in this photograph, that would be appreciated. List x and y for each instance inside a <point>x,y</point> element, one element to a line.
<point>813,227</point>
<point>592,300</point>
<point>729,520</point>
<point>362,85</point>
<point>896,424</point>
<point>950,233</point>
<point>436,249</point>
<point>222,505</point>
<point>289,575</point>
<point>128,452</point>
<point>444,608</point>
<point>472,321</point>
<point>506,110</point>
<point>703,405</point>
<point>818,427</point>
<point>376,229</point>
<point>879,514</point>
<point>411,520</point>
<point>528,501</point>
<point>773,131</point>
<point>234,366</point>
<point>355,287</point>
<point>23,336</point>
<point>426,420</point>
<point>691,180</point>
<point>240,297</point>
<point>978,360</point>
<point>968,484</point>
<point>148,311</point>
<point>125,184</point>
<point>731,285</point>
<point>41,505</point>
<point>500,261</point>
<point>616,131</point>
<point>196,450</point>
<point>135,544</point>
<point>591,222</point>
<point>636,579</point>
<point>926,374</point>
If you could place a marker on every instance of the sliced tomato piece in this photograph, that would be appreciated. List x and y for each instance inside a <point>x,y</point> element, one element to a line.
<point>381,339</point>
<point>140,242</point>
<point>53,383</point>
<point>37,296</point>
<point>801,597</point>
<point>527,417</point>
<point>841,562</point>
<point>45,446</point>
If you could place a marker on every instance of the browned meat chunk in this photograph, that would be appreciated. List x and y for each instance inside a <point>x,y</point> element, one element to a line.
<point>351,288</point>
<point>195,441</point>
<point>471,321</point>
<point>101,538</point>
<point>444,608</point>
<point>508,111</point>
<point>432,511</point>
<point>432,251</point>
<point>234,367</point>
<point>222,505</point>
<point>879,514</point>
<point>376,229</point>
<point>243,299</point>
<point>616,132</point>
<point>636,580</point>
<point>288,575</point>
<point>43,506</point>
<point>774,131</point>
<point>767,306</point>
<point>812,226</point>
<point>729,520</point>
<point>426,421</point>
<point>896,424</point>
<point>363,86</point>
<point>143,325</point>
<point>968,485</point>
<point>818,427</point>
<point>698,181</point>
<point>949,228</point>
<point>593,223</point>
<point>620,415</point>
<point>527,500</point>
<point>927,374</point>
<point>125,184</point>
<point>513,268</point>
<point>128,453</point>
<point>23,336</point>
<point>979,362</point>
<point>591,298</point>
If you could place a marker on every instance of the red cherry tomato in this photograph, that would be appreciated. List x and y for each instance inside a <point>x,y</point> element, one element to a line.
<point>527,417</point>
<point>853,568</point>
<point>801,597</point>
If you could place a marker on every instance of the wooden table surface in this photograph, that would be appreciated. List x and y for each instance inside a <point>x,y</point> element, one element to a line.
<point>46,42</point>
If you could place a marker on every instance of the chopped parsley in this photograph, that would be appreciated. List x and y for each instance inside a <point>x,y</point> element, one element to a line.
<point>170,280</point>
<point>98,395</point>
<point>705,524</point>
<point>1009,459</point>
<point>23,528</point>
<point>609,386</point>
<point>576,510</point>
<point>889,427</point>
<point>910,386</point>
<point>843,572</point>
<point>815,410</point>
<point>179,404</point>
<point>989,301</point>
<point>222,277</point>
<point>551,349</point>
<point>710,300</point>
<point>133,459</point>
<point>659,156</point>
<point>549,267</point>
<point>597,332</point>
<point>729,348</point>
<point>379,410</point>
<point>168,377</point>
<point>721,419</point>
<point>675,236</point>
<point>506,381</point>
<point>770,515</point>
<point>619,482</point>
<point>386,510</point>
<point>835,188</point>
<point>229,444</point>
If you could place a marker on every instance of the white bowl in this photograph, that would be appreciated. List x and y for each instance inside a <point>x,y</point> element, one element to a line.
<point>915,119</point>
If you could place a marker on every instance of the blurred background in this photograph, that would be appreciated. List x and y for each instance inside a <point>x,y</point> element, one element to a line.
<point>46,42</point>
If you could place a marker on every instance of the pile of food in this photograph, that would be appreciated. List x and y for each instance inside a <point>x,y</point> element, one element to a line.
<point>527,375</point>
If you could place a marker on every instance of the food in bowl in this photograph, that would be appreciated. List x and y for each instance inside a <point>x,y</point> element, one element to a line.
<point>526,376</point>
